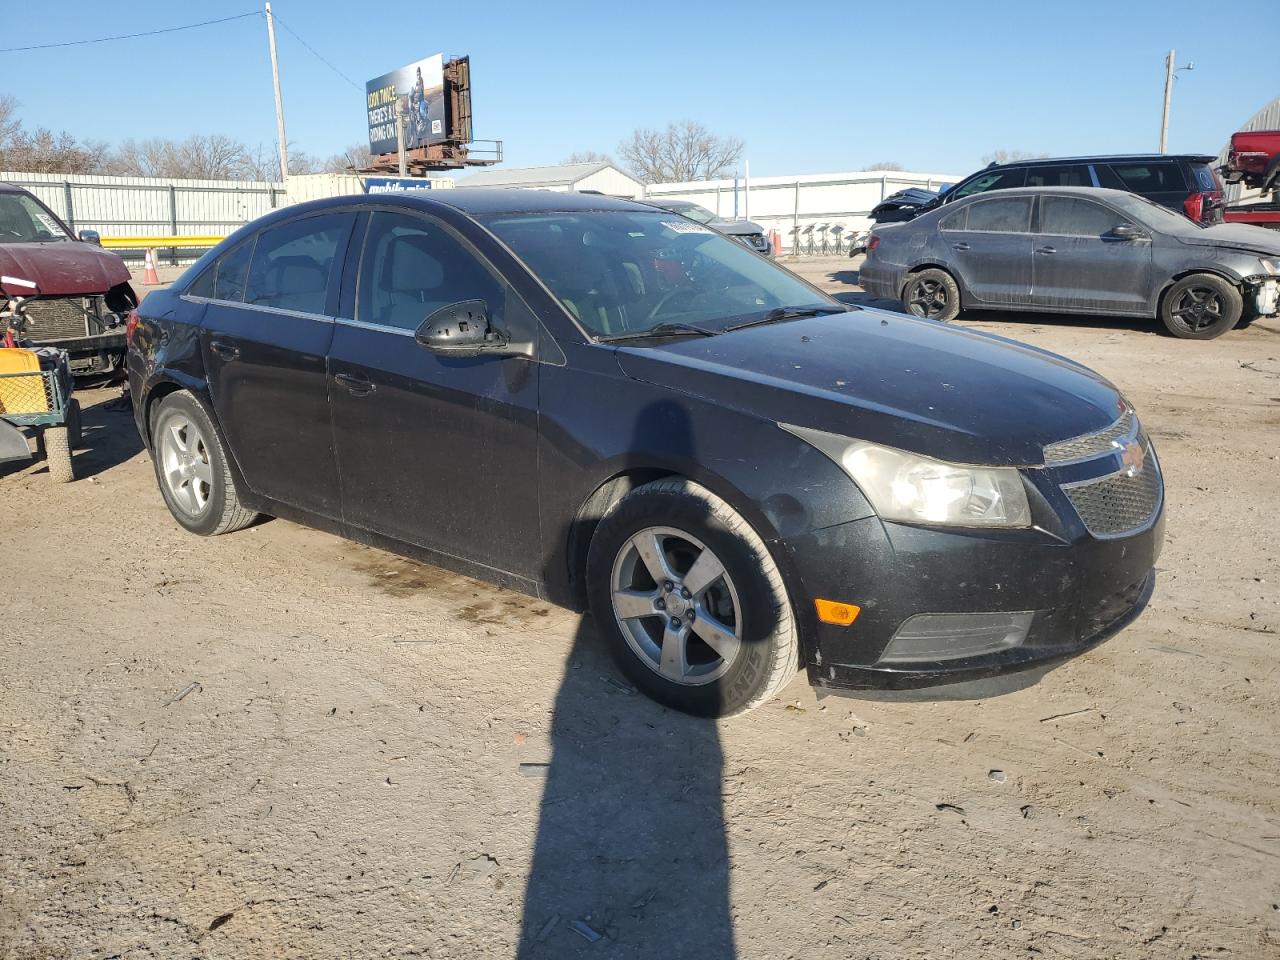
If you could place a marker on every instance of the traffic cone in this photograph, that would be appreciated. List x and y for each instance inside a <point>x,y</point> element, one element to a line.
<point>149,276</point>
<point>776,239</point>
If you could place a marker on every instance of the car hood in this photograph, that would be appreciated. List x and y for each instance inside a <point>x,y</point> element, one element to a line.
<point>65,268</point>
<point>736,228</point>
<point>1240,236</point>
<point>918,385</point>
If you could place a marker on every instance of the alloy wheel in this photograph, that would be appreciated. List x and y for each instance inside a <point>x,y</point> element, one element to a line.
<point>1197,308</point>
<point>677,606</point>
<point>184,461</point>
<point>927,299</point>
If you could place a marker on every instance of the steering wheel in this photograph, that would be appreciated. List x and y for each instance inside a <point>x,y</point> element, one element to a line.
<point>671,295</point>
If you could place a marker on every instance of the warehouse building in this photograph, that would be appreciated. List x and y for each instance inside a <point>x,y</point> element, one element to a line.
<point>601,177</point>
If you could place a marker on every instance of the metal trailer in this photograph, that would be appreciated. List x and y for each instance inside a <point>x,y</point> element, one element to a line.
<point>40,402</point>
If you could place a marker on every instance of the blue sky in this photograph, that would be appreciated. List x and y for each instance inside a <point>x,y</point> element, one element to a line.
<point>809,87</point>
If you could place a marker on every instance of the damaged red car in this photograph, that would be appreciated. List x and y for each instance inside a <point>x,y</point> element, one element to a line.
<point>60,290</point>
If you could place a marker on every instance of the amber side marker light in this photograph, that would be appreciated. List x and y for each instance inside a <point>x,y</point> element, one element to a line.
<point>841,614</point>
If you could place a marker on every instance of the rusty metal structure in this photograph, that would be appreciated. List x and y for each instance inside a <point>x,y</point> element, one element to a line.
<point>458,150</point>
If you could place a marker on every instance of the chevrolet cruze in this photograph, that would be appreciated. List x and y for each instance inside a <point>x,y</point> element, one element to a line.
<point>618,409</point>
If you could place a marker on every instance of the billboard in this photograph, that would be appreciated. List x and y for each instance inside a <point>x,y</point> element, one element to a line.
<point>420,86</point>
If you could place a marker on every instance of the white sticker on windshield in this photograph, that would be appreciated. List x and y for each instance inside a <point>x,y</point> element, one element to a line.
<point>684,226</point>
<point>49,223</point>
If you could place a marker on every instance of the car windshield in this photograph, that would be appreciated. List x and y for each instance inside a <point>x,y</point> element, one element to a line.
<point>690,210</point>
<point>623,272</point>
<point>23,220</point>
<point>1155,215</point>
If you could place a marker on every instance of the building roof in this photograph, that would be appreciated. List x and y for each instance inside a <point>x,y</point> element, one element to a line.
<point>559,175</point>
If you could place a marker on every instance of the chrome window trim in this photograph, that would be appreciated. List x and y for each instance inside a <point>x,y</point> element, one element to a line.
<point>376,327</point>
<point>259,308</point>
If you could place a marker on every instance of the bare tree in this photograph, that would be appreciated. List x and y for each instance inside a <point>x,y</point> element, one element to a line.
<point>684,151</point>
<point>200,157</point>
<point>1009,156</point>
<point>355,157</point>
<point>9,122</point>
<point>43,151</point>
<point>885,165</point>
<point>587,156</point>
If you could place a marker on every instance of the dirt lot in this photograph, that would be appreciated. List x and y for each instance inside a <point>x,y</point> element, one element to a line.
<point>277,743</point>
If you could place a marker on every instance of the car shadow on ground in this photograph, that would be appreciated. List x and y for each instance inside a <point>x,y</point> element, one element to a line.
<point>108,438</point>
<point>631,854</point>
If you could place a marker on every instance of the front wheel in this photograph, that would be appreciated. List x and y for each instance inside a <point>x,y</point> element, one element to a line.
<point>690,601</point>
<point>1201,307</point>
<point>932,294</point>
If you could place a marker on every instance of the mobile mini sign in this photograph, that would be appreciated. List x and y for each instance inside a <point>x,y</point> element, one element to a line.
<point>420,86</point>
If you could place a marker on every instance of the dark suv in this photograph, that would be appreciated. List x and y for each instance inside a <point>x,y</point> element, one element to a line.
<point>1183,182</point>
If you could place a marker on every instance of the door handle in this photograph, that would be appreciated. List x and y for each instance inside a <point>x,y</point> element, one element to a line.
<point>225,350</point>
<point>960,246</point>
<point>1046,249</point>
<point>356,385</point>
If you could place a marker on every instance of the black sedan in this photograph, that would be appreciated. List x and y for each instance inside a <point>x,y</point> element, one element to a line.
<point>1076,250</point>
<point>608,406</point>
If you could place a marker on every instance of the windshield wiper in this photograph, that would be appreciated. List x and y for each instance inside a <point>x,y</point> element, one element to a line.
<point>661,330</point>
<point>779,314</point>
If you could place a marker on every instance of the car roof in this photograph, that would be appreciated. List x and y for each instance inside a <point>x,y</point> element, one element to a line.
<point>11,188</point>
<point>1102,158</point>
<point>1096,193</point>
<point>488,200</point>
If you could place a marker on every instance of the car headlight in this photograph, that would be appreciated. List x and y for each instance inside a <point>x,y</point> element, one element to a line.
<point>907,486</point>
<point>1271,266</point>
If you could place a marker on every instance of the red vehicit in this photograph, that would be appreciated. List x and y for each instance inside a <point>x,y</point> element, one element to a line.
<point>59,290</point>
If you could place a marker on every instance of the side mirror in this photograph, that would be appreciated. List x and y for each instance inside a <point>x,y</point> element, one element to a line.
<point>461,330</point>
<point>1126,231</point>
<point>91,236</point>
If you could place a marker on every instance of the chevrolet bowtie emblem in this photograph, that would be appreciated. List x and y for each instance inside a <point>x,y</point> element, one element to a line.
<point>1133,457</point>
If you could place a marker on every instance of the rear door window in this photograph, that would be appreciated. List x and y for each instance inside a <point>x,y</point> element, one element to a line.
<point>993,180</point>
<point>954,221</point>
<point>293,265</point>
<point>1000,215</point>
<point>1205,177</point>
<point>1074,217</point>
<point>1066,175</point>
<point>1149,176</point>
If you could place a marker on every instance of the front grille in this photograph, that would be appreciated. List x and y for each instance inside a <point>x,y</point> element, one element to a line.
<point>1092,444</point>
<point>58,319</point>
<point>1119,503</point>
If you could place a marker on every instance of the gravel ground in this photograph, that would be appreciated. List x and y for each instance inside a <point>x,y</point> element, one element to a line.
<point>277,743</point>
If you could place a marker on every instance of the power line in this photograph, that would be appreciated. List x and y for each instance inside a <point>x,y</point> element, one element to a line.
<point>132,36</point>
<point>314,52</point>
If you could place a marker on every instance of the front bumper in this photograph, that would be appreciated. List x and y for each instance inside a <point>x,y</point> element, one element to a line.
<point>1266,296</point>
<point>1065,590</point>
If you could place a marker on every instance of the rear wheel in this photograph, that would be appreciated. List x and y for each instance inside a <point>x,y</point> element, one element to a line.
<point>1201,307</point>
<point>690,602</point>
<point>191,467</point>
<point>74,434</point>
<point>932,294</point>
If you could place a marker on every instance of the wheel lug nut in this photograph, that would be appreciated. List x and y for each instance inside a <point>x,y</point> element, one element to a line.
<point>668,586</point>
<point>675,623</point>
<point>660,604</point>
<point>684,592</point>
<point>690,616</point>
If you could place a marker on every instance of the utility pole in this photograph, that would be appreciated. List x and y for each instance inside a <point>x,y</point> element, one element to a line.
<point>275,79</point>
<point>1169,95</point>
<point>1169,71</point>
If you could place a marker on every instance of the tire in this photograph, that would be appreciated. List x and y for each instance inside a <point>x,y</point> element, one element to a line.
<point>75,435</point>
<point>1201,307</point>
<point>191,469</point>
<point>669,527</point>
<point>932,294</point>
<point>57,455</point>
